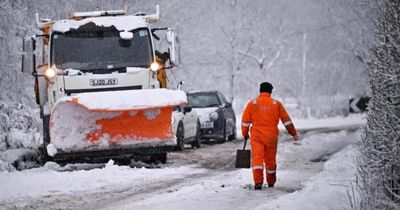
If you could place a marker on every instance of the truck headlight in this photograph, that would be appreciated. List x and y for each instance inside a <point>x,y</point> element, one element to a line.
<point>50,73</point>
<point>155,66</point>
<point>213,116</point>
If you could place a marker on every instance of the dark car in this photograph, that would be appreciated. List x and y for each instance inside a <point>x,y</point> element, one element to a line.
<point>216,115</point>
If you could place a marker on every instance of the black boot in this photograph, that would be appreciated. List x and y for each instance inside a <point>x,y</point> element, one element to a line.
<point>270,185</point>
<point>258,187</point>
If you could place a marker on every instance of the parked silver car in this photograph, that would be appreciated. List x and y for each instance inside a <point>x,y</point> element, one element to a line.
<point>186,127</point>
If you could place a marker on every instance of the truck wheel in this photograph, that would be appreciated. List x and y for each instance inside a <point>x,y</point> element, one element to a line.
<point>46,137</point>
<point>197,141</point>
<point>161,157</point>
<point>46,133</point>
<point>180,135</point>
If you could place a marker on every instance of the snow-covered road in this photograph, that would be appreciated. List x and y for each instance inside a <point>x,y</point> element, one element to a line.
<point>199,179</point>
<point>232,189</point>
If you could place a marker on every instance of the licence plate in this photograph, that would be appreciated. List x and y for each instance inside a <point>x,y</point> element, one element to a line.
<point>103,82</point>
<point>207,125</point>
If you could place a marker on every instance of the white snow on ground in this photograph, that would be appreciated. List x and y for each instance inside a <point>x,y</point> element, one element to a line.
<point>351,120</point>
<point>300,181</point>
<point>232,190</point>
<point>331,189</point>
<point>13,155</point>
<point>18,139</point>
<point>48,181</point>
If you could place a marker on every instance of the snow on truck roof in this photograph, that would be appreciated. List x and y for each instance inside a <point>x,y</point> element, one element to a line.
<point>121,23</point>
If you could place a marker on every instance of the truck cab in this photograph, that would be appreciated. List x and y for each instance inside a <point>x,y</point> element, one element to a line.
<point>94,55</point>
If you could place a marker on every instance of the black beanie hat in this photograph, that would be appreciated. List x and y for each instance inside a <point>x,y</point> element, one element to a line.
<point>266,87</point>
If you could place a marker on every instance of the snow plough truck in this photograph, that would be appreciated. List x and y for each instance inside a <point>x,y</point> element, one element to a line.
<point>98,85</point>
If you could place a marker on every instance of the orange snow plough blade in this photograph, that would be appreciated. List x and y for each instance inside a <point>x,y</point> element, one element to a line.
<point>136,127</point>
<point>76,125</point>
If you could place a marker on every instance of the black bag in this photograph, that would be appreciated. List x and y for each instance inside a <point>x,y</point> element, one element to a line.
<point>243,157</point>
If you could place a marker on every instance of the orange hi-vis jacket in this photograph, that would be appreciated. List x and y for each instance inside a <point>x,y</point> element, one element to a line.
<point>264,114</point>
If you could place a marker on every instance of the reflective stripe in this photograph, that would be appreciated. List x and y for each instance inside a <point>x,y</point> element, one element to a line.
<point>255,101</point>
<point>273,102</point>
<point>258,167</point>
<point>245,124</point>
<point>287,123</point>
<point>271,171</point>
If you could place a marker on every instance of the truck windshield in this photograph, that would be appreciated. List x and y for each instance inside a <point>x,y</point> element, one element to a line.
<point>101,50</point>
<point>201,100</point>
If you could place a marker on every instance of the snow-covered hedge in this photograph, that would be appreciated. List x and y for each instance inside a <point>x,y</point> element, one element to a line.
<point>19,127</point>
<point>379,160</point>
<point>19,136</point>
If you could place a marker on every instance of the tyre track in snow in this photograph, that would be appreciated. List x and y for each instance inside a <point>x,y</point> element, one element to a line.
<point>103,196</point>
<point>301,162</point>
<point>218,158</point>
<point>204,157</point>
<point>100,198</point>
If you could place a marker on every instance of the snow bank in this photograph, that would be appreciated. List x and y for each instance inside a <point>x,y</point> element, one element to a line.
<point>19,136</point>
<point>128,100</point>
<point>327,190</point>
<point>23,139</point>
<point>121,23</point>
<point>234,189</point>
<point>45,181</point>
<point>6,166</point>
<point>351,121</point>
<point>18,159</point>
<point>19,126</point>
<point>312,123</point>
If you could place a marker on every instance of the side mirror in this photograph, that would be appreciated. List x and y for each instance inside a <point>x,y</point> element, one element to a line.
<point>174,53</point>
<point>180,84</point>
<point>28,57</point>
<point>228,105</point>
<point>169,35</point>
<point>187,109</point>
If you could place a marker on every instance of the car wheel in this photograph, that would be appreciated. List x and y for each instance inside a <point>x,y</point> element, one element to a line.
<point>197,141</point>
<point>233,135</point>
<point>180,135</point>
<point>223,139</point>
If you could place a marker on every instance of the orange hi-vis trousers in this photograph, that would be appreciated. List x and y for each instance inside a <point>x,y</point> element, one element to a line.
<point>264,153</point>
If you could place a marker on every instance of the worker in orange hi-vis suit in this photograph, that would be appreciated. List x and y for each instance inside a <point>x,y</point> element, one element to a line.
<point>263,114</point>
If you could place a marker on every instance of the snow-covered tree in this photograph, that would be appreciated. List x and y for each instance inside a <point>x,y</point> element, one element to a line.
<point>379,159</point>
<point>234,31</point>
